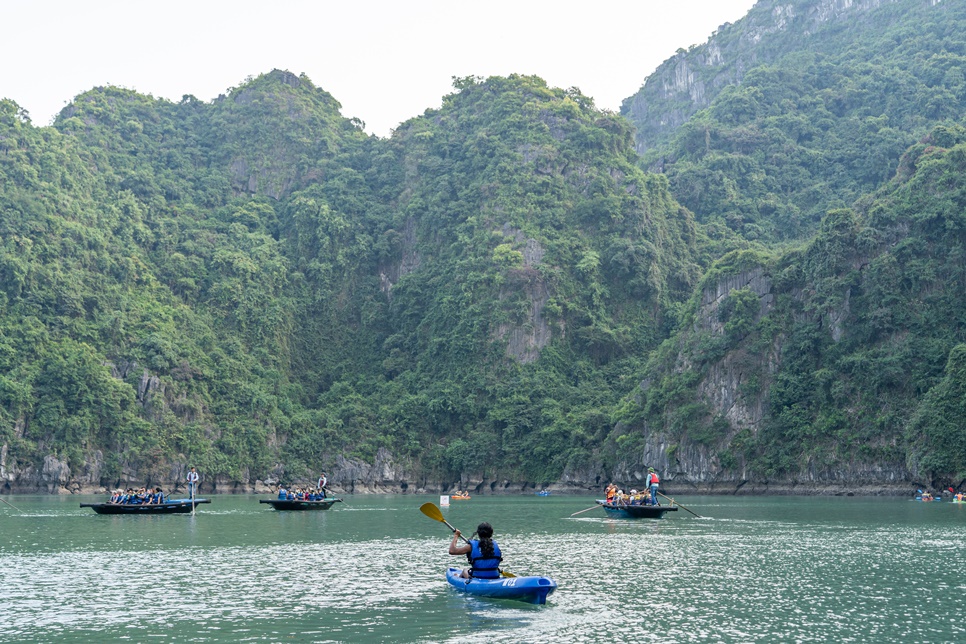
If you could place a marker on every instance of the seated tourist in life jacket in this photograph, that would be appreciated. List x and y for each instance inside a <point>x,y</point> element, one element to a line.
<point>282,493</point>
<point>158,495</point>
<point>483,552</point>
<point>610,491</point>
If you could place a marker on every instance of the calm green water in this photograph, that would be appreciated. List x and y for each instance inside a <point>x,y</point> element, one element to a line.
<point>371,570</point>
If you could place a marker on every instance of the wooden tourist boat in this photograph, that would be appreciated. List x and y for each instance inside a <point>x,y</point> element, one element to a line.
<point>627,511</point>
<point>300,506</point>
<point>171,506</point>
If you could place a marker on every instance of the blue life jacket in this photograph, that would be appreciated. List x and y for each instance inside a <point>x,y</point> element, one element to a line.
<point>488,568</point>
<point>282,494</point>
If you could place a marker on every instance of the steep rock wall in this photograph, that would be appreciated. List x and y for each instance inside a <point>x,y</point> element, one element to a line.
<point>688,81</point>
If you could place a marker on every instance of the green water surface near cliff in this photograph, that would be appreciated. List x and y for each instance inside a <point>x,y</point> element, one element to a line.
<point>789,569</point>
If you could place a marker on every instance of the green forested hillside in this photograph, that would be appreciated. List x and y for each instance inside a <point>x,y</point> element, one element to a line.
<point>853,345</point>
<point>498,293</point>
<point>149,310</point>
<point>820,116</point>
<point>256,286</point>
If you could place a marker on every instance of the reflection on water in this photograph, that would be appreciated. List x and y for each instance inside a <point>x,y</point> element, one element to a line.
<point>775,569</point>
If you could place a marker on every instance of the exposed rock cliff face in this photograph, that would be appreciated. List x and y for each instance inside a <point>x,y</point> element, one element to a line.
<point>689,464</point>
<point>525,340</point>
<point>722,387</point>
<point>690,80</point>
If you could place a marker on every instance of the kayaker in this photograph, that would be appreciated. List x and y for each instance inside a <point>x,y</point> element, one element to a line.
<point>484,553</point>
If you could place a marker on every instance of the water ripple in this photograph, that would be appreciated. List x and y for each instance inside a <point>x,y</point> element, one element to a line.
<point>373,574</point>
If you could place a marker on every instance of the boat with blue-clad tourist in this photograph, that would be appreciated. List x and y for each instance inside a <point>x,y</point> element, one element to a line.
<point>300,505</point>
<point>169,506</point>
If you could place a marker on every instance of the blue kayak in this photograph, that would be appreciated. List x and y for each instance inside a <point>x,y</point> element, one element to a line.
<point>533,590</point>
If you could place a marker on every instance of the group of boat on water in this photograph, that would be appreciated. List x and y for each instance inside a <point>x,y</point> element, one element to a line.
<point>484,576</point>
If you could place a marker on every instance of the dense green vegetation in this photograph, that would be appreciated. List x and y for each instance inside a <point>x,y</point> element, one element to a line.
<point>862,347</point>
<point>255,282</point>
<point>498,290</point>
<point>821,119</point>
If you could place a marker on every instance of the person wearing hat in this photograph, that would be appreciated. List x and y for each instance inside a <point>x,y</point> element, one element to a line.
<point>653,481</point>
<point>323,481</point>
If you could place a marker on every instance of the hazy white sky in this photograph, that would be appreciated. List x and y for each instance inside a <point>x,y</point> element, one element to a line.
<point>385,61</point>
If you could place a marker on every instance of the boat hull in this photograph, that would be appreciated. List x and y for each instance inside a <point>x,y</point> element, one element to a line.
<point>637,511</point>
<point>176,506</point>
<point>533,590</point>
<point>300,506</point>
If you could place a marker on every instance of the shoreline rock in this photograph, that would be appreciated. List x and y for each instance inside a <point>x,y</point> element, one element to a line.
<point>387,475</point>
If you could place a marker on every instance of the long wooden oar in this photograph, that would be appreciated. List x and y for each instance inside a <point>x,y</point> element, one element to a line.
<point>11,505</point>
<point>587,510</point>
<point>434,513</point>
<point>678,504</point>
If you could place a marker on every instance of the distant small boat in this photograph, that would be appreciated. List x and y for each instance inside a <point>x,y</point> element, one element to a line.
<point>460,497</point>
<point>543,493</point>
<point>627,511</point>
<point>286,504</point>
<point>171,506</point>
<point>533,590</point>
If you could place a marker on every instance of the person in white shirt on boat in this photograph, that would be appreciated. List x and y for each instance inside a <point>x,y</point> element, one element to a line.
<point>192,479</point>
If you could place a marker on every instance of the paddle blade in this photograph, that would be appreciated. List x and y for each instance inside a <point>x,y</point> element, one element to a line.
<point>504,573</point>
<point>434,513</point>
